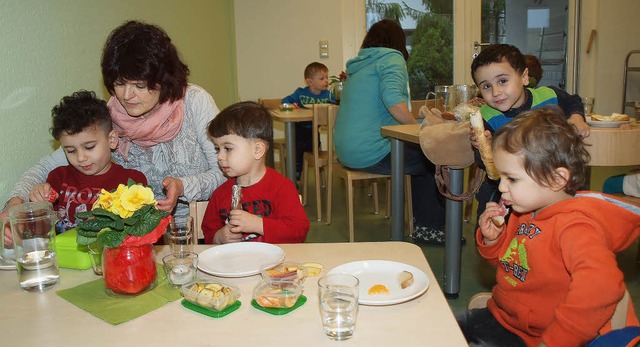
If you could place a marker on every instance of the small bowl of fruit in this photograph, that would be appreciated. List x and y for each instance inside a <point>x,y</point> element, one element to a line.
<point>269,296</point>
<point>210,294</point>
<point>283,274</point>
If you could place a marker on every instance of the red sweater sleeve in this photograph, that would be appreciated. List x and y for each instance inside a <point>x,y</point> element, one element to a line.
<point>288,222</point>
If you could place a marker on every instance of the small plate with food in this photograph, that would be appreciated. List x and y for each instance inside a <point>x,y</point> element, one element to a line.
<point>385,282</point>
<point>613,121</point>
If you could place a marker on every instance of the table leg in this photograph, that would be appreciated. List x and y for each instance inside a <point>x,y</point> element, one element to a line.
<point>453,235</point>
<point>290,139</point>
<point>397,190</point>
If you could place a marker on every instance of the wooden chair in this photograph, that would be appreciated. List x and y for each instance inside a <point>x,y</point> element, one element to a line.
<point>320,159</point>
<point>279,144</point>
<point>196,211</point>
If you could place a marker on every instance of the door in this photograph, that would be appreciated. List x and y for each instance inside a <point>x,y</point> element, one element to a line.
<point>541,28</point>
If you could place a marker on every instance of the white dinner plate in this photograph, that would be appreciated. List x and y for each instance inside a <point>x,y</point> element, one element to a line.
<point>239,259</point>
<point>372,272</point>
<point>604,124</point>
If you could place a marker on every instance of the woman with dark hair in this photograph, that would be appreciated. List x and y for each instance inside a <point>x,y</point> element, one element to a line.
<point>161,120</point>
<point>376,94</point>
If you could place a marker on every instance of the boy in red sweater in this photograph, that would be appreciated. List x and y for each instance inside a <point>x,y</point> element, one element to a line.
<point>558,282</point>
<point>268,208</point>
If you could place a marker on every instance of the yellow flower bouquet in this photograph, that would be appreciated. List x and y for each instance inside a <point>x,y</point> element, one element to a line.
<point>126,223</point>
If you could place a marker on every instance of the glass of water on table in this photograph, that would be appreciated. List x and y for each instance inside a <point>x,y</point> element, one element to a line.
<point>338,300</point>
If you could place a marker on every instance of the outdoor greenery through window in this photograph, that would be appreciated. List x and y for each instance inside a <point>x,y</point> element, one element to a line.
<point>428,25</point>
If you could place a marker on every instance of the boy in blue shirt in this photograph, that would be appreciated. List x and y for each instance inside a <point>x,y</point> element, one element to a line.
<point>316,75</point>
<point>501,74</point>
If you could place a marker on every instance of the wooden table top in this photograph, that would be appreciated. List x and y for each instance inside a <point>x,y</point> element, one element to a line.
<point>295,115</point>
<point>404,132</point>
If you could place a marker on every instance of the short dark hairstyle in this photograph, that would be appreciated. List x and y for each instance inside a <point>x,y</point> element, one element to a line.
<point>137,51</point>
<point>535,69</point>
<point>79,111</point>
<point>387,33</point>
<point>246,119</point>
<point>496,54</point>
<point>314,68</point>
<point>546,142</point>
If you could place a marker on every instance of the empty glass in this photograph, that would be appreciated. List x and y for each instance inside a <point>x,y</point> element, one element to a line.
<point>179,234</point>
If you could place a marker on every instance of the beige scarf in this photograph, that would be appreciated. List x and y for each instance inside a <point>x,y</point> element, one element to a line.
<point>158,126</point>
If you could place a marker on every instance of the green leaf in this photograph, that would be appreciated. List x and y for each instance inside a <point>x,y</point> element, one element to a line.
<point>87,233</point>
<point>91,225</point>
<point>144,225</point>
<point>84,215</point>
<point>85,241</point>
<point>102,212</point>
<point>130,221</point>
<point>142,211</point>
<point>111,238</point>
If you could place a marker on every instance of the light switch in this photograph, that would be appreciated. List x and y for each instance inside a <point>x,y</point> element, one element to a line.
<point>324,48</point>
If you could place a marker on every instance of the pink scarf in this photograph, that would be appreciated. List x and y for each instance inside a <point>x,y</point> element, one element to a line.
<point>158,126</point>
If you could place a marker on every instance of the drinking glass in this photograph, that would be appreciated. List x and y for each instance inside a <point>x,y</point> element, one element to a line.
<point>338,301</point>
<point>180,267</point>
<point>588,105</point>
<point>179,234</point>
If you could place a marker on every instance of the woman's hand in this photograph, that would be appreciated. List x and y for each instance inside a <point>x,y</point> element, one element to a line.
<point>8,238</point>
<point>174,189</point>
<point>577,121</point>
<point>244,222</point>
<point>40,192</point>
<point>490,232</point>
<point>402,114</point>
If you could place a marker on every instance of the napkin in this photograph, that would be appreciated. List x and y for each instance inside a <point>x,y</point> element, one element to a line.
<point>93,298</point>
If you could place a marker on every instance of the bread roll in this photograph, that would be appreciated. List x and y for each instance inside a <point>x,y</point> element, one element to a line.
<point>484,146</point>
<point>405,279</point>
<point>619,117</point>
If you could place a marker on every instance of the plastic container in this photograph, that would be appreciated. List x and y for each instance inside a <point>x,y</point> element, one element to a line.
<point>70,254</point>
<point>283,274</point>
<point>211,294</point>
<point>273,297</point>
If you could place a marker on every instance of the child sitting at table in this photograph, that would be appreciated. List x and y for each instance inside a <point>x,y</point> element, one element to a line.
<point>316,76</point>
<point>557,277</point>
<point>82,124</point>
<point>268,208</point>
<point>501,74</point>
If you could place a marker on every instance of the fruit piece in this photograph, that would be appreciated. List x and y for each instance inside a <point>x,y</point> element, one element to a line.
<point>313,269</point>
<point>405,279</point>
<point>378,289</point>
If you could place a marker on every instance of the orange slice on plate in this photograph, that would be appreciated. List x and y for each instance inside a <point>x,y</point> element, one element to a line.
<point>378,289</point>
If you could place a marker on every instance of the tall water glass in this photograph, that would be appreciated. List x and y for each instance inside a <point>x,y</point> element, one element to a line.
<point>338,301</point>
<point>34,245</point>
<point>180,234</point>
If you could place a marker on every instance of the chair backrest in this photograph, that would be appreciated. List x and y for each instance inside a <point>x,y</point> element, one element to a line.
<point>415,108</point>
<point>320,119</point>
<point>271,104</point>
<point>196,211</point>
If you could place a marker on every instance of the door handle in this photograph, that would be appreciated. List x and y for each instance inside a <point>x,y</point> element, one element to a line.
<point>477,46</point>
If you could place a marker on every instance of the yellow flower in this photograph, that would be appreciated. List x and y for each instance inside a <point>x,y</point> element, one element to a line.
<point>136,196</point>
<point>105,200</point>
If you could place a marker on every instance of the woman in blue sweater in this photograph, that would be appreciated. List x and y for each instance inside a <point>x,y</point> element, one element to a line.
<point>377,94</point>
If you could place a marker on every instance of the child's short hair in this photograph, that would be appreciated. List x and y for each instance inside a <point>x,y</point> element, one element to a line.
<point>314,68</point>
<point>496,54</point>
<point>78,112</point>
<point>535,69</point>
<point>246,119</point>
<point>546,141</point>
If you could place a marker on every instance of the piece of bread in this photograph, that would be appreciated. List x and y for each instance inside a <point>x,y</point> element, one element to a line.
<point>614,117</point>
<point>484,146</point>
<point>405,279</point>
<point>463,112</point>
<point>498,221</point>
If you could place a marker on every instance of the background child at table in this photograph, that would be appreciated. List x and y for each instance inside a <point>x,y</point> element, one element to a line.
<point>271,208</point>
<point>82,124</point>
<point>557,276</point>
<point>316,76</point>
<point>501,74</point>
<point>535,70</point>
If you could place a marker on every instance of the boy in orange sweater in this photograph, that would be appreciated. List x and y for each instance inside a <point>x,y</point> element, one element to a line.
<point>558,282</point>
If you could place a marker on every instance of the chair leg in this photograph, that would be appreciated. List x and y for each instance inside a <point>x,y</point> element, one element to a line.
<point>329,195</point>
<point>388,212</point>
<point>318,192</point>
<point>349,185</point>
<point>409,203</point>
<point>376,207</point>
<point>303,179</point>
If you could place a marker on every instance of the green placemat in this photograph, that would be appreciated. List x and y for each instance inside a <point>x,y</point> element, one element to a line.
<point>93,298</point>
<point>280,311</point>
<point>210,312</point>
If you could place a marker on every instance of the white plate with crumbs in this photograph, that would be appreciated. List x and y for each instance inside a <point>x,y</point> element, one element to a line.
<point>239,259</point>
<point>605,124</point>
<point>386,273</point>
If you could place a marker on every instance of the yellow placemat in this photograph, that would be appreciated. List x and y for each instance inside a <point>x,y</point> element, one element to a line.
<point>93,298</point>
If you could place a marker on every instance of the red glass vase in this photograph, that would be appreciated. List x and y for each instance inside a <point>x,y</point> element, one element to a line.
<point>129,270</point>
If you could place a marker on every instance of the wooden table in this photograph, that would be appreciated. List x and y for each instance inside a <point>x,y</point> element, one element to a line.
<point>453,215</point>
<point>289,118</point>
<point>614,146</point>
<point>45,319</point>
